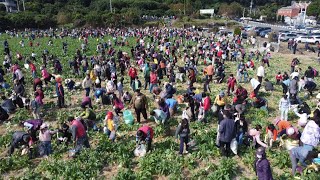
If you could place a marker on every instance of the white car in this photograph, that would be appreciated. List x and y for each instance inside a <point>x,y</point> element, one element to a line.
<point>314,40</point>
<point>302,39</point>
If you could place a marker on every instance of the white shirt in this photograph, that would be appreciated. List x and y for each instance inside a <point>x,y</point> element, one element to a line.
<point>19,74</point>
<point>294,74</point>
<point>260,71</point>
<point>254,83</point>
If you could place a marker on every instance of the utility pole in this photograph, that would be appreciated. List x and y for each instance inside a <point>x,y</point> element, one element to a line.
<point>250,7</point>
<point>18,5</point>
<point>244,9</point>
<point>184,9</point>
<point>110,6</point>
<point>24,8</point>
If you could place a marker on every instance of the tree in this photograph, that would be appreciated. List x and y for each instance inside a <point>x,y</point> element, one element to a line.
<point>230,10</point>
<point>314,9</point>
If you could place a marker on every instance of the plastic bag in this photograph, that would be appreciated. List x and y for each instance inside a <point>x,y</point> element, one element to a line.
<point>140,151</point>
<point>214,108</point>
<point>234,146</point>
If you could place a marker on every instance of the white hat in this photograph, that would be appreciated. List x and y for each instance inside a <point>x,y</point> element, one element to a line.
<point>303,120</point>
<point>290,131</point>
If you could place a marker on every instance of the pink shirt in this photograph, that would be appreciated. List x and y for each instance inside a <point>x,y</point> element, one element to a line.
<point>44,73</point>
<point>45,135</point>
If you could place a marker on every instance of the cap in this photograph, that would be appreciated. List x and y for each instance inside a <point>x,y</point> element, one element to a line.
<point>261,151</point>
<point>221,94</point>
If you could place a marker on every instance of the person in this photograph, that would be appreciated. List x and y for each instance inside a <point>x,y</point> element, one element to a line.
<point>231,84</point>
<point>205,105</point>
<point>281,124</point>
<point>45,75</point>
<point>309,74</point>
<point>172,104</point>
<point>159,115</point>
<point>153,80</point>
<point>60,92</point>
<point>241,94</point>
<point>140,105</point>
<point>260,72</point>
<point>86,101</point>
<point>271,135</point>
<point>226,133</point>
<point>262,165</point>
<point>183,131</point>
<point>293,88</point>
<point>79,134</point>
<point>117,105</point>
<point>279,78</point>
<point>20,138</point>
<point>284,106</point>
<point>220,101</point>
<point>110,126</point>
<point>45,136</point>
<point>19,88</point>
<point>86,84</point>
<point>255,86</point>
<point>311,133</point>
<point>146,74</point>
<point>33,125</point>
<point>310,86</point>
<point>133,74</point>
<point>255,135</point>
<point>35,106</point>
<point>66,134</point>
<point>241,129</point>
<point>3,114</point>
<point>89,118</point>
<point>126,97</point>
<point>210,71</point>
<point>285,84</point>
<point>145,135</point>
<point>136,84</point>
<point>268,86</point>
<point>120,87</point>
<point>259,102</point>
<point>294,63</point>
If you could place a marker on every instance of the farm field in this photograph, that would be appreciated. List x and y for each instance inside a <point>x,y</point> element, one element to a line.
<point>107,160</point>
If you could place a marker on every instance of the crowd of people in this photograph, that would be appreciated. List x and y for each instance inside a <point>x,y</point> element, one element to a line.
<point>161,72</point>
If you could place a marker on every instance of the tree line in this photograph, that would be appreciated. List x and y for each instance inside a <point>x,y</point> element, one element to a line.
<point>97,13</point>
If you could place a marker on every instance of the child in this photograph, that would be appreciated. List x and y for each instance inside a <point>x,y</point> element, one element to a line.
<point>183,131</point>
<point>120,87</point>
<point>231,83</point>
<point>45,140</point>
<point>110,126</point>
<point>271,135</point>
<point>35,106</point>
<point>279,78</point>
<point>127,97</point>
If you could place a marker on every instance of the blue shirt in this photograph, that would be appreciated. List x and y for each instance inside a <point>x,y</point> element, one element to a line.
<point>171,102</point>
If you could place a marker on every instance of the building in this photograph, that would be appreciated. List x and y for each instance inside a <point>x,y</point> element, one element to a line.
<point>11,5</point>
<point>294,14</point>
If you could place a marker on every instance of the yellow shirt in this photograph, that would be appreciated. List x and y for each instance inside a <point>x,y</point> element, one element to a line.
<point>110,124</point>
<point>220,101</point>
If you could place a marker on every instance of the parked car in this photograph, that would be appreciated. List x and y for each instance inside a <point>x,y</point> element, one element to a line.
<point>302,39</point>
<point>264,33</point>
<point>286,37</point>
<point>314,40</point>
<point>244,35</point>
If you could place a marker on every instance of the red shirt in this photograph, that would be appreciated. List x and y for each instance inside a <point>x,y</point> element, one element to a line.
<point>279,77</point>
<point>133,73</point>
<point>232,81</point>
<point>32,67</point>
